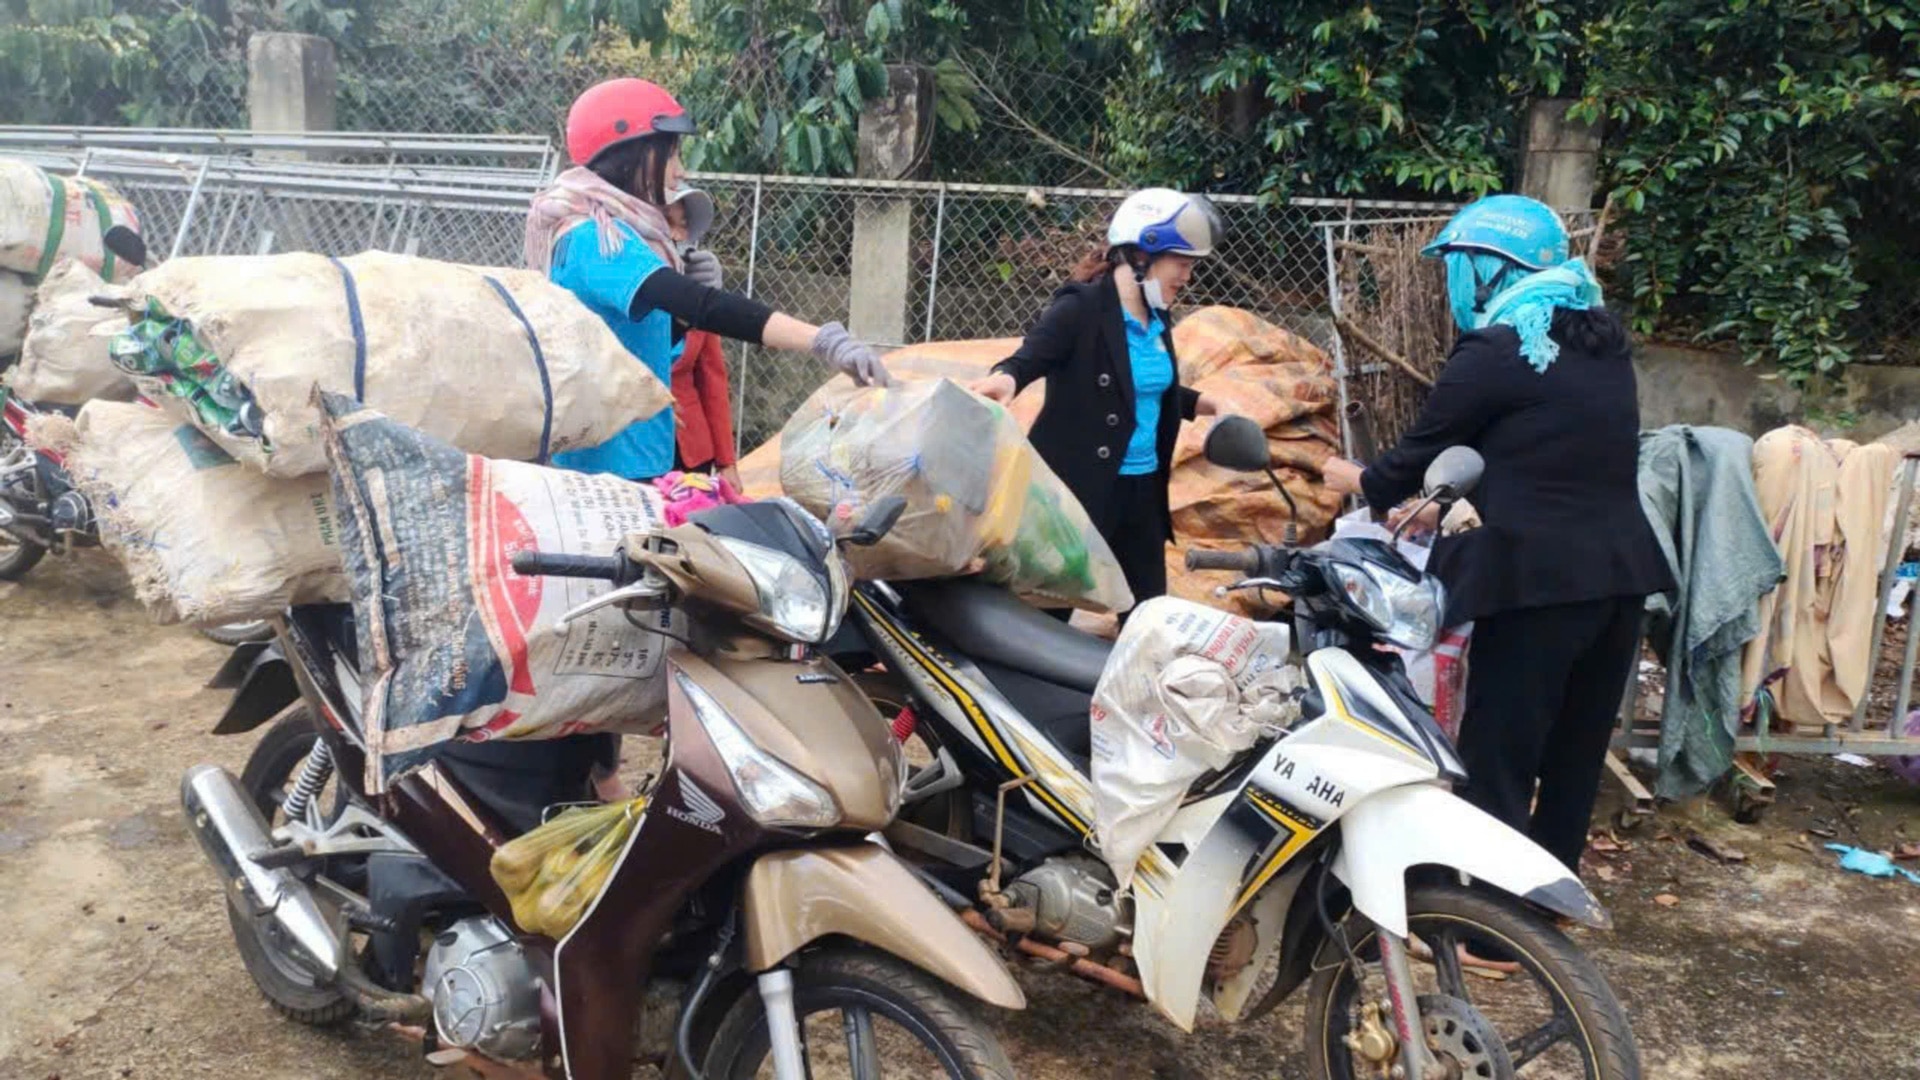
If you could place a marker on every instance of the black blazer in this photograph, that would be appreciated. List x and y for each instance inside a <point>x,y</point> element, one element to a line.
<point>1560,502</point>
<point>1080,347</point>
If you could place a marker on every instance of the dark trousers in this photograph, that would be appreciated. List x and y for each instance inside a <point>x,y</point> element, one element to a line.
<point>1543,691</point>
<point>1136,529</point>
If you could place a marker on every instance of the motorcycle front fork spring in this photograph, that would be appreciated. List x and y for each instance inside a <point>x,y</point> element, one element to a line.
<point>314,774</point>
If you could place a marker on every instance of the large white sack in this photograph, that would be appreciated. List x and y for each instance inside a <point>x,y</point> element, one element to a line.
<point>65,359</point>
<point>16,300</point>
<point>29,226</point>
<point>454,644</point>
<point>205,539</point>
<point>1186,690</point>
<point>439,349</point>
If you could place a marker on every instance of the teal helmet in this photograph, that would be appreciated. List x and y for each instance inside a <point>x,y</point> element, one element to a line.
<point>1514,227</point>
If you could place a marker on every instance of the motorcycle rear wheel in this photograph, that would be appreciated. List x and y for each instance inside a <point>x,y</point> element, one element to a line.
<point>1585,1032</point>
<point>239,633</point>
<point>877,1006</point>
<point>295,994</point>
<point>18,556</point>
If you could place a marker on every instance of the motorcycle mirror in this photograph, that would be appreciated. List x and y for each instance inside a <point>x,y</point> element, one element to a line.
<point>881,517</point>
<point>1454,474</point>
<point>126,244</point>
<point>1239,444</point>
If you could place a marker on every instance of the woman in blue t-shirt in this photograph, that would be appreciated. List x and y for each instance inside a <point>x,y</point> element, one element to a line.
<point>600,232</point>
<point>1114,400</point>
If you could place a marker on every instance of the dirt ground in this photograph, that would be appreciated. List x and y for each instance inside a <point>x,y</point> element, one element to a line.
<point>115,959</point>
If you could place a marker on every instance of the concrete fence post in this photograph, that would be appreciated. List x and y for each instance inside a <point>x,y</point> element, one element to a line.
<point>291,83</point>
<point>1562,157</point>
<point>894,129</point>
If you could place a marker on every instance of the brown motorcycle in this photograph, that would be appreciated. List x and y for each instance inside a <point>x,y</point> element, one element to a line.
<point>753,919</point>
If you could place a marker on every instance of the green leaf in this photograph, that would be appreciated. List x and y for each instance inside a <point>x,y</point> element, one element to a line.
<point>880,22</point>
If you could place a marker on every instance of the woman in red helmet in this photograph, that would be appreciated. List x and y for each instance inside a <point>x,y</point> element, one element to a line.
<point>600,231</point>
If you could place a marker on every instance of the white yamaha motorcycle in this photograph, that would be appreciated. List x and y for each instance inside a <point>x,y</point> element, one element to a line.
<point>1334,855</point>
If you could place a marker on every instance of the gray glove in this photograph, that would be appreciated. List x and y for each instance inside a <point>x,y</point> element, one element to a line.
<point>703,267</point>
<point>847,356</point>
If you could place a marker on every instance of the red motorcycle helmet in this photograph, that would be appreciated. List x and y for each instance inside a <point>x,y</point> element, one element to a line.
<point>620,110</point>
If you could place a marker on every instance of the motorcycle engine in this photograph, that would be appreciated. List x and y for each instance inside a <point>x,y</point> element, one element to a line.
<point>1072,899</point>
<point>485,993</point>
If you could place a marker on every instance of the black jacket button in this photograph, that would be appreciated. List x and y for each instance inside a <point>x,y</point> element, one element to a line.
<point>1113,419</point>
<point>1104,453</point>
<point>1106,379</point>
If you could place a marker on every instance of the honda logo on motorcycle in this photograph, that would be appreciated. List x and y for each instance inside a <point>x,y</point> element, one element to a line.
<point>701,811</point>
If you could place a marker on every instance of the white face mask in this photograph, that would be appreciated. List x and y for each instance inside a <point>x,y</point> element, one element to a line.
<point>1150,291</point>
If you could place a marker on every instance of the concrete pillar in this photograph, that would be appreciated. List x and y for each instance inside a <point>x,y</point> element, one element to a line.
<point>1562,156</point>
<point>893,130</point>
<point>291,80</point>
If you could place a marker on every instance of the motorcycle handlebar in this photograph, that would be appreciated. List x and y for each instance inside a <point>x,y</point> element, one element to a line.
<point>552,564</point>
<point>1244,562</point>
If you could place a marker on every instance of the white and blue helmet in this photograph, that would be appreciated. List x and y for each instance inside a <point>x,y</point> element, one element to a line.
<point>1162,221</point>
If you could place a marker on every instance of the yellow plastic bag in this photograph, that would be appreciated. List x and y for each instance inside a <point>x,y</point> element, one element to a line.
<point>554,873</point>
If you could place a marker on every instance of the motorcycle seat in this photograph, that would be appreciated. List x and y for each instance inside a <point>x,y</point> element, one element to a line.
<point>987,623</point>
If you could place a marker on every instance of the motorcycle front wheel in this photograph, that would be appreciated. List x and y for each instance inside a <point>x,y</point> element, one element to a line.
<point>1555,1019</point>
<point>863,1015</point>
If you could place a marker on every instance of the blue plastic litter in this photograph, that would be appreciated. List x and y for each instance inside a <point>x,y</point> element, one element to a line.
<point>1871,863</point>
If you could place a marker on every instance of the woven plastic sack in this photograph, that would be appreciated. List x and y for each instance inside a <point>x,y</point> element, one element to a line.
<point>65,357</point>
<point>501,363</point>
<point>454,644</point>
<point>552,874</point>
<point>204,539</point>
<point>44,218</point>
<point>979,498</point>
<point>1187,689</point>
<point>16,300</point>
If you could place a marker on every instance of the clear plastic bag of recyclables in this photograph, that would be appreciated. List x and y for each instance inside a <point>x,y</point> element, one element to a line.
<point>458,646</point>
<point>1187,689</point>
<point>979,498</point>
<point>552,874</point>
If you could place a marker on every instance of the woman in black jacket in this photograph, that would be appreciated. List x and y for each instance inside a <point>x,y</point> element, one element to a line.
<point>1541,383</point>
<point>1114,400</point>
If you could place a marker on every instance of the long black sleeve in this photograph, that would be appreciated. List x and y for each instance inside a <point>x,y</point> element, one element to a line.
<point>1050,342</point>
<point>727,314</point>
<point>1471,389</point>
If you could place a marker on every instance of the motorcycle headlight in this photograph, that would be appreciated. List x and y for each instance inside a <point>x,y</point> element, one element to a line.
<point>774,793</point>
<point>795,602</point>
<point>1407,613</point>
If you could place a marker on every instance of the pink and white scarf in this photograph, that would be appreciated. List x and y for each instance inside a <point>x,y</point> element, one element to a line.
<point>581,194</point>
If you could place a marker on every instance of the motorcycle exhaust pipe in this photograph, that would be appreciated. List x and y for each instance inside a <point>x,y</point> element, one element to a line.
<point>232,833</point>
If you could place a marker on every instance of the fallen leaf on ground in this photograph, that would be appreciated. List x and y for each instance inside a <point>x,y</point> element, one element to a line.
<point>1603,872</point>
<point>1907,851</point>
<point>1666,899</point>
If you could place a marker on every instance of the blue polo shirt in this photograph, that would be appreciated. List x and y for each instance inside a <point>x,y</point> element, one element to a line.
<point>607,284</point>
<point>1152,375</point>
